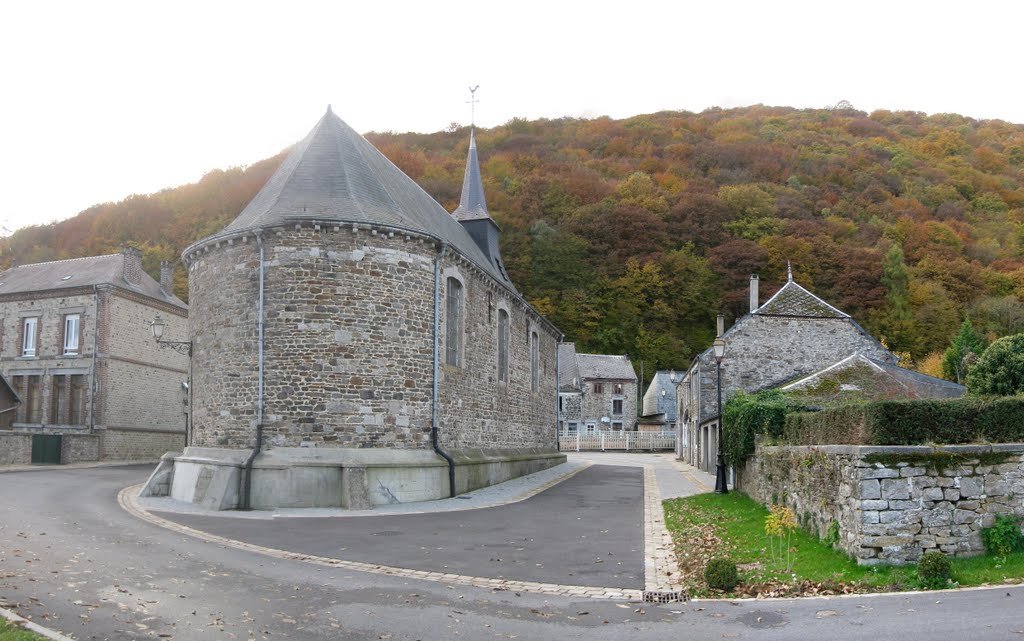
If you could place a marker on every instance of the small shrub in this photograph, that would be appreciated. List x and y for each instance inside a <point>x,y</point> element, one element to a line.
<point>832,535</point>
<point>779,524</point>
<point>934,570</point>
<point>1004,537</point>
<point>721,574</point>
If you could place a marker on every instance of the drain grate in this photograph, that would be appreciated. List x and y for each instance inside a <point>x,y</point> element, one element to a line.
<point>659,596</point>
<point>386,533</point>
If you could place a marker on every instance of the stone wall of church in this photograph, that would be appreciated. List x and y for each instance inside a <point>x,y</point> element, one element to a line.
<point>348,347</point>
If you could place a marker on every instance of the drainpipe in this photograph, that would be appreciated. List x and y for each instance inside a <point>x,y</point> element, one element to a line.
<point>247,493</point>
<point>437,370</point>
<point>95,356</point>
<point>558,393</point>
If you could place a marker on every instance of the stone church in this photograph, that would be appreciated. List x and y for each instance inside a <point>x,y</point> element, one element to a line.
<point>354,344</point>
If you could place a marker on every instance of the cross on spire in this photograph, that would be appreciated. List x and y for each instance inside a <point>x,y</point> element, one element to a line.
<point>472,109</point>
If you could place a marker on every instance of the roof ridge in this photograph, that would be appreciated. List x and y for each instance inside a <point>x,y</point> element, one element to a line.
<point>62,260</point>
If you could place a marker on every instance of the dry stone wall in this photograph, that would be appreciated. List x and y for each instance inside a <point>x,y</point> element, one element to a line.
<point>892,504</point>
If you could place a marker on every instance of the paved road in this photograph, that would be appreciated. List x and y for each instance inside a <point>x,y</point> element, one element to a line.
<point>71,559</point>
<point>587,530</point>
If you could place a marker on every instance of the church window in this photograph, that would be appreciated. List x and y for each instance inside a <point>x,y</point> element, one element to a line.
<point>502,345</point>
<point>534,362</point>
<point>453,319</point>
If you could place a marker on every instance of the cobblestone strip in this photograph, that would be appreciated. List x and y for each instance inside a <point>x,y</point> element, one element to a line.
<point>661,570</point>
<point>127,496</point>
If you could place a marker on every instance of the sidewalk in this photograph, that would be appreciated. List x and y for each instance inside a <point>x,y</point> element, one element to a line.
<point>674,477</point>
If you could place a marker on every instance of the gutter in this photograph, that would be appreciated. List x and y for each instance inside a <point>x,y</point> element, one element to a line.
<point>247,490</point>
<point>433,419</point>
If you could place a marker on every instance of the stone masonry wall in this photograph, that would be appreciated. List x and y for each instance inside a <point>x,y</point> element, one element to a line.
<point>15,448</point>
<point>123,445</point>
<point>79,448</point>
<point>349,345</point>
<point>143,380</point>
<point>892,504</point>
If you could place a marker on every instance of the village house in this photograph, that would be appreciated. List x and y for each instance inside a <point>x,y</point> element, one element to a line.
<point>794,339</point>
<point>355,344</point>
<point>660,402</point>
<point>75,347</point>
<point>597,392</point>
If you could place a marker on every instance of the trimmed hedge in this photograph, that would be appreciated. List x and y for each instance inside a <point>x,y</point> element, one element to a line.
<point>747,415</point>
<point>954,421</point>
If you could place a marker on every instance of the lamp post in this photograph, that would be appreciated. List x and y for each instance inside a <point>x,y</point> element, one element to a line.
<point>721,485</point>
<point>157,327</point>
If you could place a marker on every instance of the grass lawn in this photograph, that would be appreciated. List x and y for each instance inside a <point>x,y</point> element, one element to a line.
<point>733,525</point>
<point>12,632</point>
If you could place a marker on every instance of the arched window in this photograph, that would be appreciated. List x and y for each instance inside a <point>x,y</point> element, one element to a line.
<point>453,324</point>
<point>502,346</point>
<point>534,361</point>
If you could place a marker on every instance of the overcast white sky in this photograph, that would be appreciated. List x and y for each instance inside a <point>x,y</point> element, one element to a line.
<point>103,99</point>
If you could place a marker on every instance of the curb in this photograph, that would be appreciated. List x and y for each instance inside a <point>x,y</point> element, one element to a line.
<point>33,627</point>
<point>5,469</point>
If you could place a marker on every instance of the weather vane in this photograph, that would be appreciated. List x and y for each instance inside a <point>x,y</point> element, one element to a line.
<point>472,108</point>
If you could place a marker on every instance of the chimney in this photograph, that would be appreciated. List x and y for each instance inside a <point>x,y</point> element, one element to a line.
<point>166,276</point>
<point>721,325</point>
<point>132,264</point>
<point>754,301</point>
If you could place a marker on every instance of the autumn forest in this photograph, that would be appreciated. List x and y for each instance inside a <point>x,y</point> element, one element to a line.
<point>631,235</point>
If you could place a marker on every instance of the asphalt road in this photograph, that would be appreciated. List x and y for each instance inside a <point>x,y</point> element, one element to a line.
<point>72,560</point>
<point>587,530</point>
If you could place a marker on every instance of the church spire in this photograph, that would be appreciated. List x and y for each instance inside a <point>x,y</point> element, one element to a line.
<point>472,205</point>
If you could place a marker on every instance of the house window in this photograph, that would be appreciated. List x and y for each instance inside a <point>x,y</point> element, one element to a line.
<point>29,335</point>
<point>617,426</point>
<point>534,361</point>
<point>618,388</point>
<point>573,427</point>
<point>503,346</point>
<point>453,335</point>
<point>33,399</point>
<point>617,406</point>
<point>76,400</point>
<point>72,325</point>
<point>598,388</point>
<point>58,396</point>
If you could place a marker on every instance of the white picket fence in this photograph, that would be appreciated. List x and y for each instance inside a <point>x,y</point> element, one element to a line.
<point>615,441</point>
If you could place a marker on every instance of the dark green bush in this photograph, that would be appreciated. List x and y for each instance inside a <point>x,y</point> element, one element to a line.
<point>952,421</point>
<point>934,570</point>
<point>1004,537</point>
<point>721,574</point>
<point>1000,370</point>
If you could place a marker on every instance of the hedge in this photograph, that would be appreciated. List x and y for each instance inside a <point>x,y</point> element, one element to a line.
<point>954,421</point>
<point>747,415</point>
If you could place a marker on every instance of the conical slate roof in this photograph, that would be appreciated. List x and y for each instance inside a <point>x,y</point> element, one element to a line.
<point>334,174</point>
<point>472,206</point>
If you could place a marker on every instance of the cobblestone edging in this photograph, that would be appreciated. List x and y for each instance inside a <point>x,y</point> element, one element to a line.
<point>661,569</point>
<point>31,626</point>
<point>127,498</point>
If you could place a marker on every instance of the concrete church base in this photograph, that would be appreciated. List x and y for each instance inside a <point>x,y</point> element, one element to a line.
<point>354,478</point>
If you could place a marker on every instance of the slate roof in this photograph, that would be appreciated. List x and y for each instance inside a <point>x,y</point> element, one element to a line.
<point>568,372</point>
<point>472,205</point>
<point>334,174</point>
<point>80,272</point>
<point>604,366</point>
<point>793,300</point>
<point>655,401</point>
<point>865,378</point>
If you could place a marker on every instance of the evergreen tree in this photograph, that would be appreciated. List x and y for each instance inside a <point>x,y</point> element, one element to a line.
<point>966,347</point>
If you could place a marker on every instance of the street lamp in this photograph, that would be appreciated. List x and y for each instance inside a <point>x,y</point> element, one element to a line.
<point>721,485</point>
<point>157,327</point>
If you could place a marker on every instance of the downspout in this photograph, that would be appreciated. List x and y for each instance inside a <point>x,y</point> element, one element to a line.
<point>95,356</point>
<point>558,393</point>
<point>247,494</point>
<point>437,370</point>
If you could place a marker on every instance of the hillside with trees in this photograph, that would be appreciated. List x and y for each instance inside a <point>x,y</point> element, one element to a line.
<point>632,234</point>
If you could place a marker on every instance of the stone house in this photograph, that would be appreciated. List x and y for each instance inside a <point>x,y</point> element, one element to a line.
<point>792,335</point>
<point>596,391</point>
<point>354,344</point>
<point>660,402</point>
<point>76,348</point>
